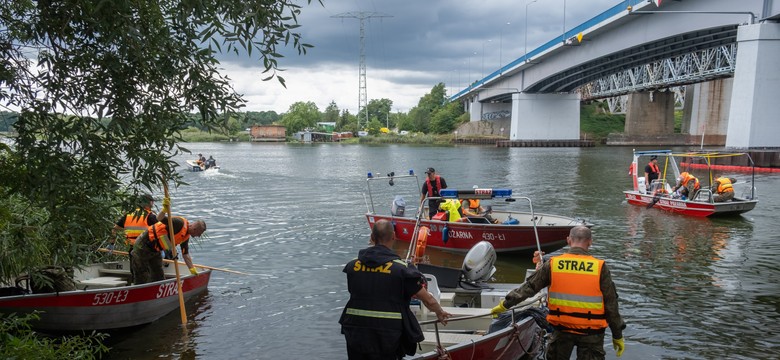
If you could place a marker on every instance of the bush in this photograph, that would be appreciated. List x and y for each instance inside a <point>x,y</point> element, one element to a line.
<point>19,341</point>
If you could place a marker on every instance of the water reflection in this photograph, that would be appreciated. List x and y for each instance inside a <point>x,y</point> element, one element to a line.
<point>293,215</point>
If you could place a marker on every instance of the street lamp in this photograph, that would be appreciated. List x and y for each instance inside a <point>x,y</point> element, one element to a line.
<point>501,47</point>
<point>525,55</point>
<point>482,74</point>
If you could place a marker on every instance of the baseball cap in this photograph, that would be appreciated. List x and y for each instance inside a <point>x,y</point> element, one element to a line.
<point>654,157</point>
<point>430,171</point>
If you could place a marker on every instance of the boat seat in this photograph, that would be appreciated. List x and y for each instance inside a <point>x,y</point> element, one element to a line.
<point>102,282</point>
<point>115,273</point>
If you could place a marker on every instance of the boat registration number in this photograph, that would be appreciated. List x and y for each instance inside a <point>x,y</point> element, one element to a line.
<point>112,297</point>
<point>492,237</point>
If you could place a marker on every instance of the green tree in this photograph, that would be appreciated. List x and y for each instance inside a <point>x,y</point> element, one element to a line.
<point>301,115</point>
<point>347,122</point>
<point>379,109</point>
<point>420,115</point>
<point>261,118</point>
<point>107,92</point>
<point>445,119</point>
<point>373,127</point>
<point>331,113</point>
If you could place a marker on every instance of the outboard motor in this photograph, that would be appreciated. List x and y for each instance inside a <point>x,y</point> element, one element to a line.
<point>479,261</point>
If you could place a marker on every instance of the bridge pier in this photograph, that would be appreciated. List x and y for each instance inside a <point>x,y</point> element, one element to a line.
<point>545,117</point>
<point>753,121</point>
<point>706,108</point>
<point>650,113</point>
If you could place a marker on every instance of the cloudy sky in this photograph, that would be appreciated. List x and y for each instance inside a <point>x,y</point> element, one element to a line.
<point>417,45</point>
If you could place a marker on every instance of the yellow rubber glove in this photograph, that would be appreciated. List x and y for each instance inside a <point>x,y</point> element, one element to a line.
<point>166,205</point>
<point>498,309</point>
<point>195,272</point>
<point>619,346</point>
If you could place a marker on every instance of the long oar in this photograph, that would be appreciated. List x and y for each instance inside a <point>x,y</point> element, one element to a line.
<point>118,252</point>
<point>174,252</point>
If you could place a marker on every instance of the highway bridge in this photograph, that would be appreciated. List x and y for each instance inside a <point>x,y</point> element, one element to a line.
<point>725,51</point>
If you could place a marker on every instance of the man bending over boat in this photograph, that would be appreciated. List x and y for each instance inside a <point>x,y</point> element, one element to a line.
<point>582,299</point>
<point>377,322</point>
<point>688,186</point>
<point>722,189</point>
<point>147,261</point>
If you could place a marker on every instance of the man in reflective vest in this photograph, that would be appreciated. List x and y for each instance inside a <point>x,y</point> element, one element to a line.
<point>651,172</point>
<point>430,188</point>
<point>722,189</point>
<point>688,185</point>
<point>136,222</point>
<point>147,260</point>
<point>582,299</point>
<point>377,322</point>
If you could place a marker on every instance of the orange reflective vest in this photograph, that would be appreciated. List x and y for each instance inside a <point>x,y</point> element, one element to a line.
<point>135,224</point>
<point>686,177</point>
<point>575,299</point>
<point>158,235</point>
<point>724,185</point>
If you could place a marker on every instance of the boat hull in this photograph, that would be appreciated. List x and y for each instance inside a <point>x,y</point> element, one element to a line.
<point>504,238</point>
<point>106,308</point>
<point>691,208</point>
<point>193,166</point>
<point>508,343</point>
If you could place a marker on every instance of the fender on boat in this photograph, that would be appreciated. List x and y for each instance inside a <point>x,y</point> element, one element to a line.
<point>422,242</point>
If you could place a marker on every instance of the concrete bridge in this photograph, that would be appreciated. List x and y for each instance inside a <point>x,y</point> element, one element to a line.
<point>727,49</point>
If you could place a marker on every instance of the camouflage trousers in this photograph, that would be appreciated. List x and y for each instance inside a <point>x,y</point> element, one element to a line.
<point>726,196</point>
<point>588,346</point>
<point>146,265</point>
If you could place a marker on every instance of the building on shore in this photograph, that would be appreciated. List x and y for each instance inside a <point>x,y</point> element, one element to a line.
<point>268,133</point>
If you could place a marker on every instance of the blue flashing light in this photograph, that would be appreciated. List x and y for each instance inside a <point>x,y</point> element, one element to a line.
<point>448,193</point>
<point>411,172</point>
<point>502,192</point>
<point>370,175</point>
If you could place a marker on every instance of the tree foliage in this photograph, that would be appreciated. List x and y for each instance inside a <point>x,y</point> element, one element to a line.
<point>18,341</point>
<point>301,115</point>
<point>105,87</point>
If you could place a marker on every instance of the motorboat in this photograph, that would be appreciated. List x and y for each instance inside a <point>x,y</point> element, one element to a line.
<point>193,166</point>
<point>512,230</point>
<point>703,165</point>
<point>100,297</point>
<point>472,332</point>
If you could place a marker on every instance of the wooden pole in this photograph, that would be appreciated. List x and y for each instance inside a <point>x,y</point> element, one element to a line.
<point>119,252</point>
<point>174,254</point>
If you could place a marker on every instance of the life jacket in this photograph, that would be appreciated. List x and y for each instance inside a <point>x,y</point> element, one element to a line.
<point>158,235</point>
<point>430,187</point>
<point>377,304</point>
<point>135,224</point>
<point>724,185</point>
<point>686,177</point>
<point>453,208</point>
<point>575,299</point>
<point>654,168</point>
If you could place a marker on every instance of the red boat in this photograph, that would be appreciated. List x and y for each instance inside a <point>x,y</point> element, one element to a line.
<point>514,231</point>
<point>103,299</point>
<point>659,194</point>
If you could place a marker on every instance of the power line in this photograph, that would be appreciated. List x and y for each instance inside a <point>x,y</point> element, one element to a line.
<point>362,93</point>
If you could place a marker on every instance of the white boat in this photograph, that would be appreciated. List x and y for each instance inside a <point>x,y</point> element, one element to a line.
<point>193,166</point>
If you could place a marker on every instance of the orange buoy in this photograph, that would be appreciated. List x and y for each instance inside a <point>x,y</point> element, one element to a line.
<point>422,241</point>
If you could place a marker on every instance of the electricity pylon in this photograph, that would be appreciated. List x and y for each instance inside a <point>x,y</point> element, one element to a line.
<point>362,93</point>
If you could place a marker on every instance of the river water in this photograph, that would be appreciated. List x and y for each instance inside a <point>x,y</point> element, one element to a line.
<point>293,215</point>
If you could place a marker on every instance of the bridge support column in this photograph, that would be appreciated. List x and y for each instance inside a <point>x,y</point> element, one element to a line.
<point>753,122</point>
<point>545,117</point>
<point>706,110</point>
<point>650,113</point>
